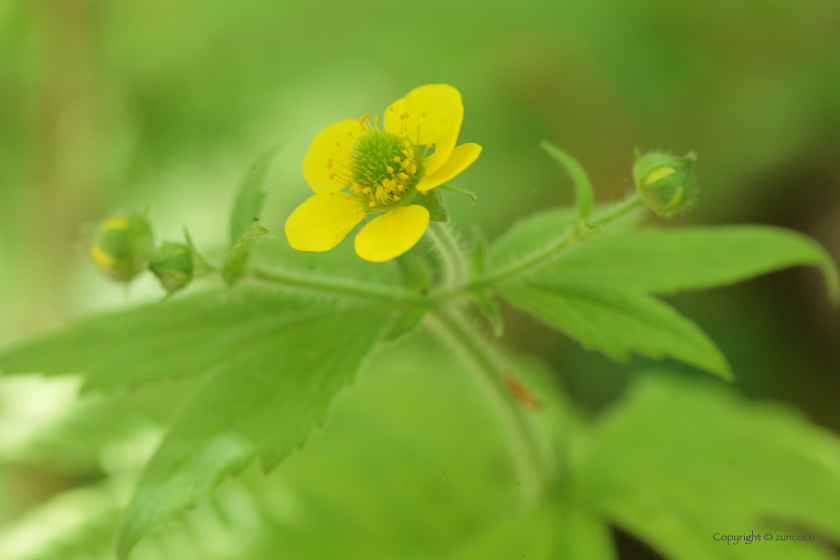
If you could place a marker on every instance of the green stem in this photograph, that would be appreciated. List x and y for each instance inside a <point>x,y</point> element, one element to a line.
<point>569,237</point>
<point>623,208</point>
<point>340,286</point>
<point>453,265</point>
<point>472,347</point>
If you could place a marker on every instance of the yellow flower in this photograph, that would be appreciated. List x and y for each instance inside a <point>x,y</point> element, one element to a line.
<point>358,169</point>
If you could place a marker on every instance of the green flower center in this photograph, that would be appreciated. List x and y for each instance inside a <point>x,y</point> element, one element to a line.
<point>383,168</point>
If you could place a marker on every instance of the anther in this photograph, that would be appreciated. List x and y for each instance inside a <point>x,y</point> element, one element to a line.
<point>390,169</point>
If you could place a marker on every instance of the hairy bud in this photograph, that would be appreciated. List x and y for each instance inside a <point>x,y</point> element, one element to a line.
<point>121,246</point>
<point>664,181</point>
<point>173,265</point>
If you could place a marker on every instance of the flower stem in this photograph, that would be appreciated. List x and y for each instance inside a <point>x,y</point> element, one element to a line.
<point>623,208</point>
<point>453,264</point>
<point>488,368</point>
<point>574,233</point>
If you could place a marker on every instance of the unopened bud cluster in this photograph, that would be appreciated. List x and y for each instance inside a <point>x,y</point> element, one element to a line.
<point>122,247</point>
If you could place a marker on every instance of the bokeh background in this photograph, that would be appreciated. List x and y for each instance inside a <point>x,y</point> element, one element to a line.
<point>162,105</point>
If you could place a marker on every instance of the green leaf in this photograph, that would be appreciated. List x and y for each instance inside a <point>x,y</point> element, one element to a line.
<point>583,188</point>
<point>174,339</point>
<point>480,252</point>
<point>410,465</point>
<point>457,190</point>
<point>680,461</point>
<point>433,202</point>
<point>667,261</point>
<point>544,533</point>
<point>250,197</point>
<point>405,323</point>
<point>236,263</point>
<point>530,237</point>
<point>265,398</point>
<point>617,320</point>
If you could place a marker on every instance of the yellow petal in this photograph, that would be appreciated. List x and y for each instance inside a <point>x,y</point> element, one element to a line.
<point>461,158</point>
<point>330,153</point>
<point>444,113</point>
<point>392,234</point>
<point>320,223</point>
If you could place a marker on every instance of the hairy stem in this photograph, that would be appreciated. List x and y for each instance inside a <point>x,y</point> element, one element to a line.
<point>453,264</point>
<point>487,366</point>
<point>573,234</point>
<point>340,286</point>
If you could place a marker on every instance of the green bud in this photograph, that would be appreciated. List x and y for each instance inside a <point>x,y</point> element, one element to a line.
<point>121,246</point>
<point>664,181</point>
<point>173,265</point>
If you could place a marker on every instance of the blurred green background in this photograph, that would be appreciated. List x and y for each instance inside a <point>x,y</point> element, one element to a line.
<point>162,105</point>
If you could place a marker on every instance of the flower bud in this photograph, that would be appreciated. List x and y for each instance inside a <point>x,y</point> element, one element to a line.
<point>664,181</point>
<point>121,246</point>
<point>173,265</point>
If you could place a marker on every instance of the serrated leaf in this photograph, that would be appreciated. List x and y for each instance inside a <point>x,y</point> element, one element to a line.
<point>583,189</point>
<point>616,321</point>
<point>530,236</point>
<point>264,399</point>
<point>152,343</point>
<point>248,204</point>
<point>667,261</point>
<point>458,190</point>
<point>433,202</point>
<point>405,323</point>
<point>235,265</point>
<point>679,461</point>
